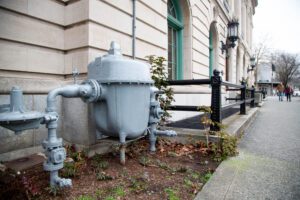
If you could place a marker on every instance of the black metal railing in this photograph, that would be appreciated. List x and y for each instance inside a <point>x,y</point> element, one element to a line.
<point>216,84</point>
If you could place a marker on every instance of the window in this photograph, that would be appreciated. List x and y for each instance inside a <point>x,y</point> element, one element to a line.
<point>175,27</point>
<point>213,48</point>
<point>211,54</point>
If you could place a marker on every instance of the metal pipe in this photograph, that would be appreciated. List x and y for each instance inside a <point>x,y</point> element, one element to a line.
<point>16,100</point>
<point>183,108</point>
<point>133,27</point>
<point>189,82</point>
<point>67,91</point>
<point>232,85</point>
<point>232,89</point>
<point>56,153</point>
<point>235,99</point>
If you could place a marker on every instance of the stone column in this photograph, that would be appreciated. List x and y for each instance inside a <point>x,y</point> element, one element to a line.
<point>239,64</point>
<point>238,13</point>
<point>246,63</point>
<point>243,22</point>
<point>231,61</point>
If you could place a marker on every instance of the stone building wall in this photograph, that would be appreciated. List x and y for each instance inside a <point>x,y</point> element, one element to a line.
<point>42,41</point>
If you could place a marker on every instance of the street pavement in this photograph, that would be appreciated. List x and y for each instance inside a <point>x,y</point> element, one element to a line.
<point>268,165</point>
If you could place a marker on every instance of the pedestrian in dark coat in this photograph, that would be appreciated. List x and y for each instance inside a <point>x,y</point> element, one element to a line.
<point>288,93</point>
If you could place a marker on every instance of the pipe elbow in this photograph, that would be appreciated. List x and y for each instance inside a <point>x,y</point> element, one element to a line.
<point>66,91</point>
<point>89,91</point>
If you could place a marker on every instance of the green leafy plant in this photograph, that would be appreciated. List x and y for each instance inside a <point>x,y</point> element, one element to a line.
<point>187,182</point>
<point>98,163</point>
<point>102,176</point>
<point>54,190</point>
<point>74,154</point>
<point>85,197</point>
<point>206,177</point>
<point>109,198</point>
<point>144,161</point>
<point>159,75</point>
<point>195,175</point>
<point>162,165</point>
<point>69,170</point>
<point>99,193</point>
<point>137,185</point>
<point>119,191</point>
<point>172,194</point>
<point>182,169</point>
<point>227,146</point>
<point>206,121</point>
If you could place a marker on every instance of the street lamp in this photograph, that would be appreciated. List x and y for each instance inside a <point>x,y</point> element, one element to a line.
<point>252,64</point>
<point>233,35</point>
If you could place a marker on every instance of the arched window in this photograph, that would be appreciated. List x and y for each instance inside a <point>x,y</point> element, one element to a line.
<point>213,48</point>
<point>175,39</point>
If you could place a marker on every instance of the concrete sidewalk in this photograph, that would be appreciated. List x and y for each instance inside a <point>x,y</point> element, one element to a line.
<point>268,166</point>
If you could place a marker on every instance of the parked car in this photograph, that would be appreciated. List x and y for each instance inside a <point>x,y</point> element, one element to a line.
<point>296,93</point>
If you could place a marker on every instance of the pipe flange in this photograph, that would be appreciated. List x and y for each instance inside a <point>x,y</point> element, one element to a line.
<point>96,91</point>
<point>52,167</point>
<point>53,144</point>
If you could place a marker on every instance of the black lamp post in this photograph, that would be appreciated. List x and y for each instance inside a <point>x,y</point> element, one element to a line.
<point>233,35</point>
<point>252,64</point>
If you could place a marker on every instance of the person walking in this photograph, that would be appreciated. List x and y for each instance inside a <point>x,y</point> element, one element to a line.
<point>288,92</point>
<point>280,90</point>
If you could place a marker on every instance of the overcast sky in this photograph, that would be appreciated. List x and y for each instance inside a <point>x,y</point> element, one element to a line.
<point>280,21</point>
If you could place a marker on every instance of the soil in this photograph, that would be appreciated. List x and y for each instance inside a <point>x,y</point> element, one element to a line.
<point>175,171</point>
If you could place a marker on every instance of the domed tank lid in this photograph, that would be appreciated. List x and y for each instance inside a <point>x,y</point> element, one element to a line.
<point>113,68</point>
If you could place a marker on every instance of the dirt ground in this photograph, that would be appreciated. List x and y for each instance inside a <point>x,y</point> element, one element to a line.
<point>175,171</point>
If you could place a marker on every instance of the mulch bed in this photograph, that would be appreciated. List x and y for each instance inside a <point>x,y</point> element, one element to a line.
<point>175,171</point>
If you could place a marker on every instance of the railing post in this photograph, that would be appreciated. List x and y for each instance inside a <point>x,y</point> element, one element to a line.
<point>252,104</point>
<point>215,82</point>
<point>243,98</point>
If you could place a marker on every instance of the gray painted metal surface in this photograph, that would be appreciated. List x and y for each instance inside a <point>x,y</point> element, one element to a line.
<point>14,117</point>
<point>124,106</point>
<point>127,105</point>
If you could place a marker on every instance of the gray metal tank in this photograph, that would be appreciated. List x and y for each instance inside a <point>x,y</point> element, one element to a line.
<point>124,105</point>
<point>123,110</point>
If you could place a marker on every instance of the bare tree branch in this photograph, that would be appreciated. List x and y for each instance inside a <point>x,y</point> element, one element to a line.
<point>287,66</point>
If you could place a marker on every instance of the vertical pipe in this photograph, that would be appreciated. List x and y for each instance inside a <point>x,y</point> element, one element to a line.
<point>133,27</point>
<point>16,99</point>
<point>152,137</point>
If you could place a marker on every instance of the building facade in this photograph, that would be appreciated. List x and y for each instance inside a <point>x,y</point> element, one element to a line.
<point>43,41</point>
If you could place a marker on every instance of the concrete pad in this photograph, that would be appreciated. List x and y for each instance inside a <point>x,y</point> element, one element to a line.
<point>8,156</point>
<point>25,162</point>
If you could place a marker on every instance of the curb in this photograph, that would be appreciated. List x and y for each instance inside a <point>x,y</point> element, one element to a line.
<point>237,125</point>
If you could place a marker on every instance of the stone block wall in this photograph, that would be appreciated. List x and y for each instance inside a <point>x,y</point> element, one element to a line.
<point>41,41</point>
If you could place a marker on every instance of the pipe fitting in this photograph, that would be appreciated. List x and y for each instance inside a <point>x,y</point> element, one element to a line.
<point>169,133</point>
<point>89,91</point>
<point>55,180</point>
